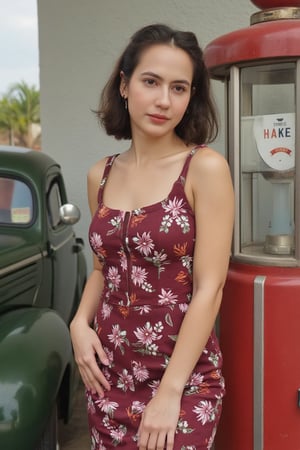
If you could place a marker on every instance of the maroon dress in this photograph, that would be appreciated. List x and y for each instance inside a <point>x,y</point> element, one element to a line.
<point>147,257</point>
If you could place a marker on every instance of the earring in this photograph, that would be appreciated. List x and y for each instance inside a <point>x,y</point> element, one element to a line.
<point>125,103</point>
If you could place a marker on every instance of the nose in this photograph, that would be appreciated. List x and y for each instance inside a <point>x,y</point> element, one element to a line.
<point>163,99</point>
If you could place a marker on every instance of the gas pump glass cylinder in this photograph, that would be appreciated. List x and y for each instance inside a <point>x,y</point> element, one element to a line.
<point>267,160</point>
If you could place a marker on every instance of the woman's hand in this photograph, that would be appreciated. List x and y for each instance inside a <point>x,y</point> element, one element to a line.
<point>86,345</point>
<point>159,422</point>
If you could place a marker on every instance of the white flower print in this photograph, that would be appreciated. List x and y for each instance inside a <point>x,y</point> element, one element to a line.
<point>106,310</point>
<point>176,211</point>
<point>125,381</point>
<point>147,287</point>
<point>151,349</point>
<point>146,335</point>
<point>205,412</point>
<point>144,243</point>
<point>107,406</point>
<point>139,278</point>
<point>158,327</point>
<point>166,223</point>
<point>167,297</point>
<point>188,447</point>
<point>138,275</point>
<point>187,261</point>
<point>214,358</point>
<point>123,259</point>
<point>183,307</point>
<point>95,438</point>
<point>196,379</point>
<point>174,207</point>
<point>118,337</point>
<point>118,434</point>
<point>137,407</point>
<point>114,278</point>
<point>212,438</point>
<point>116,223</point>
<point>110,355</point>
<point>90,404</point>
<point>194,383</point>
<point>140,372</point>
<point>183,222</point>
<point>154,385</point>
<point>145,309</point>
<point>159,259</point>
<point>183,427</point>
<point>107,374</point>
<point>96,241</point>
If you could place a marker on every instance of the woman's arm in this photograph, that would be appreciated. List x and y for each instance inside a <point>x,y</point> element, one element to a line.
<point>86,343</point>
<point>211,195</point>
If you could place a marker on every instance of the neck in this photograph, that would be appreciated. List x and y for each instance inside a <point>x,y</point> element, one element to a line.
<point>148,149</point>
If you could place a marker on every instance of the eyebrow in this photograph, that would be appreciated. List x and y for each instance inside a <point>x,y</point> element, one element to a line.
<point>158,77</point>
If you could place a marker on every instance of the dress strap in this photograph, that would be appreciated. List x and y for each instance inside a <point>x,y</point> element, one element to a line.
<point>186,165</point>
<point>108,165</point>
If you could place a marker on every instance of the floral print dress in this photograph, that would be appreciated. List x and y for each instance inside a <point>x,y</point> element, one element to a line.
<point>147,259</point>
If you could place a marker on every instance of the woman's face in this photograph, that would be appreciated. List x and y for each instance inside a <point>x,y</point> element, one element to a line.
<point>159,90</point>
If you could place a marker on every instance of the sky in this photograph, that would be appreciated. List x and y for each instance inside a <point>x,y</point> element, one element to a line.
<point>19,59</point>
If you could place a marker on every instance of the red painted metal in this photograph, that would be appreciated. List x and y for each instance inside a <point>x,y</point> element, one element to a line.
<point>272,40</point>
<point>265,4</point>
<point>275,39</point>
<point>281,369</point>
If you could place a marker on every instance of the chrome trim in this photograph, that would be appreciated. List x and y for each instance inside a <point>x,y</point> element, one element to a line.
<point>61,244</point>
<point>271,14</point>
<point>23,263</point>
<point>258,362</point>
<point>265,260</point>
<point>234,147</point>
<point>297,165</point>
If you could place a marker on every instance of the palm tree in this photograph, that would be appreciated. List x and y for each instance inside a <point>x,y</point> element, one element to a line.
<point>19,111</point>
<point>7,118</point>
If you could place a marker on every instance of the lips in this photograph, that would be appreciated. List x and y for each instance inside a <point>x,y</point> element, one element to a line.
<point>158,118</point>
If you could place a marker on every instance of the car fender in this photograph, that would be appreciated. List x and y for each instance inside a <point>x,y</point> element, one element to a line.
<point>35,353</point>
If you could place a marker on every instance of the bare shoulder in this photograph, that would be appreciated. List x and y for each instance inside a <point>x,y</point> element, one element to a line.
<point>94,177</point>
<point>95,172</point>
<point>208,161</point>
<point>209,180</point>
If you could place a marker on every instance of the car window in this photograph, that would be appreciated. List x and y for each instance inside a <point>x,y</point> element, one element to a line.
<point>16,203</point>
<point>54,204</point>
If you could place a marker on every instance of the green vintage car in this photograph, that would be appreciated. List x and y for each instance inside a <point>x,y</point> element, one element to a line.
<point>42,275</point>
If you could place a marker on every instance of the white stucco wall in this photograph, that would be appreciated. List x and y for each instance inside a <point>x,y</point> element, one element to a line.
<point>79,42</point>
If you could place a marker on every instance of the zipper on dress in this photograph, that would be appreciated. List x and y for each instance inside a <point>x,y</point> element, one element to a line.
<point>127,217</point>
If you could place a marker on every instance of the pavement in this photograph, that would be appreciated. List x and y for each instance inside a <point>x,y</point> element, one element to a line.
<point>75,435</point>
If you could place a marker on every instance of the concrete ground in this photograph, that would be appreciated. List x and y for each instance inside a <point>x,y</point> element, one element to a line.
<point>75,435</point>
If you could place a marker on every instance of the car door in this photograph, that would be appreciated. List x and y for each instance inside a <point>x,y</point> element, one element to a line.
<point>62,251</point>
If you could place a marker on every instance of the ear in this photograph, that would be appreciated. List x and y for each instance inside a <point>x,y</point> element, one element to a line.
<point>123,85</point>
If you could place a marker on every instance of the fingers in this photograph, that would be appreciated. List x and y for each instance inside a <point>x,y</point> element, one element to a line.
<point>92,376</point>
<point>101,353</point>
<point>156,440</point>
<point>86,346</point>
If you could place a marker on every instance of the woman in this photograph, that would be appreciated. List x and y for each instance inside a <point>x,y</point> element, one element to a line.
<point>161,233</point>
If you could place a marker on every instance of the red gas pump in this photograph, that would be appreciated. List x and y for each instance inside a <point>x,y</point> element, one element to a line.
<point>259,322</point>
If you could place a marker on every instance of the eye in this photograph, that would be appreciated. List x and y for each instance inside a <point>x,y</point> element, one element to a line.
<point>149,82</point>
<point>179,88</point>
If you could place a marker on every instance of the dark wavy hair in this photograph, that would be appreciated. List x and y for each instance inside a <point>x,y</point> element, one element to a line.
<point>199,123</point>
